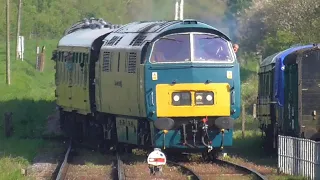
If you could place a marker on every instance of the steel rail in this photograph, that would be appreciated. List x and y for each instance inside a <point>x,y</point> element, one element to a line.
<point>65,164</point>
<point>120,171</point>
<point>240,167</point>
<point>191,174</point>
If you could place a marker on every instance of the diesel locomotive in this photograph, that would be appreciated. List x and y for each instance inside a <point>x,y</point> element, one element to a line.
<point>173,85</point>
<point>287,94</point>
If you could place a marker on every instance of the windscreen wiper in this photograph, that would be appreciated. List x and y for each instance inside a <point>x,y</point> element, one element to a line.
<point>171,39</point>
<point>215,37</point>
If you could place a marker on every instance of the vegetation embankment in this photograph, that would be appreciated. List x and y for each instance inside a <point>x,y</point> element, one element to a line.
<point>30,98</point>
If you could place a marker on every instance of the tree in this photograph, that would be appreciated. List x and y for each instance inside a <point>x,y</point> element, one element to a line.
<point>279,23</point>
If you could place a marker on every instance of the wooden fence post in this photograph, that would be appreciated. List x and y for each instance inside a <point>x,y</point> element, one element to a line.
<point>243,120</point>
<point>8,127</point>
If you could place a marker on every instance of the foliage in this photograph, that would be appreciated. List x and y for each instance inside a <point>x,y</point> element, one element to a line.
<point>49,18</point>
<point>234,9</point>
<point>272,25</point>
<point>279,42</point>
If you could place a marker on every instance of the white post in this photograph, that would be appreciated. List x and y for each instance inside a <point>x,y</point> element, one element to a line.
<point>181,9</point>
<point>37,58</point>
<point>176,10</point>
<point>20,47</point>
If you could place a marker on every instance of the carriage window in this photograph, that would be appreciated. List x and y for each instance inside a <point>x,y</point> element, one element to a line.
<point>172,48</point>
<point>211,48</point>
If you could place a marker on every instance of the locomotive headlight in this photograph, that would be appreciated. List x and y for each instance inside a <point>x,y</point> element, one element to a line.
<point>204,98</point>
<point>181,98</point>
<point>176,98</point>
<point>209,97</point>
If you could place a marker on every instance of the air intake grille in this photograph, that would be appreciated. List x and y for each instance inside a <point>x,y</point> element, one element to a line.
<point>106,65</point>
<point>132,61</point>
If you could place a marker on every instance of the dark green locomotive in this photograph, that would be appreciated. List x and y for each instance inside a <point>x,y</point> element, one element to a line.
<point>279,91</point>
<point>302,94</point>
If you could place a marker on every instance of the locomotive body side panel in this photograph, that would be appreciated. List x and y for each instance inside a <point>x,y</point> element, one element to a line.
<point>142,92</point>
<point>119,77</point>
<point>303,94</point>
<point>265,92</point>
<point>291,125</point>
<point>310,92</point>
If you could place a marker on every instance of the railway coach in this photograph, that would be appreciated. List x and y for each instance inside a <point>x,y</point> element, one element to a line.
<point>275,93</point>
<point>174,85</point>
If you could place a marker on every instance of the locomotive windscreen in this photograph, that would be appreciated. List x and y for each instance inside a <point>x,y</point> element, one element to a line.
<point>310,92</point>
<point>195,47</point>
<point>165,49</point>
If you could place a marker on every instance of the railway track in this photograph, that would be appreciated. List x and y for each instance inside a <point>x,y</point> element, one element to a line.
<point>120,170</point>
<point>118,165</point>
<point>62,167</point>
<point>194,174</point>
<point>241,168</point>
<point>185,170</point>
<point>74,166</point>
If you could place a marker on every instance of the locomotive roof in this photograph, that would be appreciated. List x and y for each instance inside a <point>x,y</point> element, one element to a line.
<point>161,26</point>
<point>282,54</point>
<point>270,59</point>
<point>288,60</point>
<point>137,33</point>
<point>83,37</point>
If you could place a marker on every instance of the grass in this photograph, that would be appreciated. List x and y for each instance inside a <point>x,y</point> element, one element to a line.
<point>249,149</point>
<point>30,98</point>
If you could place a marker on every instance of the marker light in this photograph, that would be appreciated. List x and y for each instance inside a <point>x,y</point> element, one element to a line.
<point>199,97</point>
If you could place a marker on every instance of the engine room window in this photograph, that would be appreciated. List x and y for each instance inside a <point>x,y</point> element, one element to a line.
<point>172,48</point>
<point>211,48</point>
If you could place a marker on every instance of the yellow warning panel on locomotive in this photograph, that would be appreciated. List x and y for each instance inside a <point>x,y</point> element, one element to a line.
<point>182,100</point>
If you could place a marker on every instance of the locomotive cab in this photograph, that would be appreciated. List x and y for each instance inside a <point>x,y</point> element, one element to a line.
<point>192,83</point>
